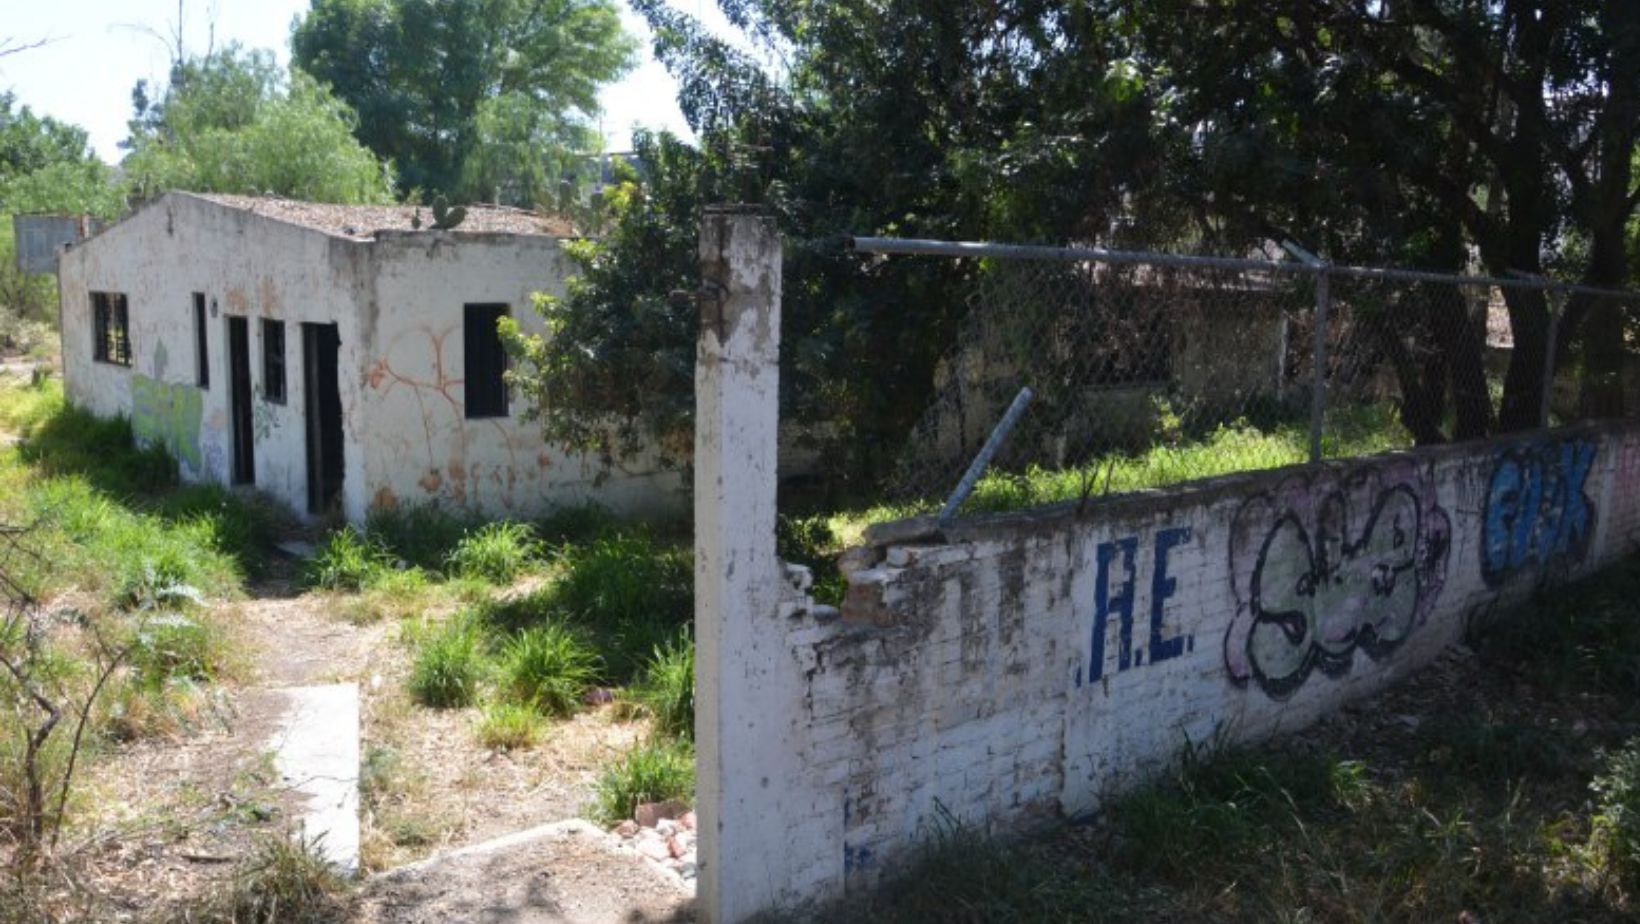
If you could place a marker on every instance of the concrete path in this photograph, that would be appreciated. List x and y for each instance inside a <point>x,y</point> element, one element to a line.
<point>568,872</point>
<point>316,751</point>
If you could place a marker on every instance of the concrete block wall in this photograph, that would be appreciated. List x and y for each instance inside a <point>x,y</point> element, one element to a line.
<point>1006,670</point>
<point>1014,668</point>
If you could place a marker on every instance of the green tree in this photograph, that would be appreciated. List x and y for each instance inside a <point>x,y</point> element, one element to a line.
<point>231,122</point>
<point>1416,130</point>
<point>455,92</point>
<point>45,166</point>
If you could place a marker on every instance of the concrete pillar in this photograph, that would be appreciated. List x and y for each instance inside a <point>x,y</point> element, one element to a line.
<point>743,755</point>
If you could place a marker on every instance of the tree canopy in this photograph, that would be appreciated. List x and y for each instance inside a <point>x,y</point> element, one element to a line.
<point>48,166</point>
<point>1497,135</point>
<point>231,121</point>
<point>469,97</point>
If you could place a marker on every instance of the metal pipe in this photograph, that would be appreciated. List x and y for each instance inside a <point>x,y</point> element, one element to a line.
<point>890,246</point>
<point>1318,389</point>
<point>1545,401</point>
<point>992,444</point>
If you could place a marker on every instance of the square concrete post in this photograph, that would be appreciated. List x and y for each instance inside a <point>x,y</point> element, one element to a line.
<point>742,673</point>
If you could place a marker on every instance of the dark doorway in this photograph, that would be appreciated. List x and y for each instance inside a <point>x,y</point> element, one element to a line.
<point>239,396</point>
<point>323,400</point>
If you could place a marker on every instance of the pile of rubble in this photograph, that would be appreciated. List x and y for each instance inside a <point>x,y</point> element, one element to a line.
<point>662,832</point>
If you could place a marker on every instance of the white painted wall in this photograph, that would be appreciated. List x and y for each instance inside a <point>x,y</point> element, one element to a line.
<point>245,265</point>
<point>398,303</point>
<point>418,445</point>
<point>1004,671</point>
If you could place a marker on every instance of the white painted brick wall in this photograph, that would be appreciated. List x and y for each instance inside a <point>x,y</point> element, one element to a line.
<point>980,701</point>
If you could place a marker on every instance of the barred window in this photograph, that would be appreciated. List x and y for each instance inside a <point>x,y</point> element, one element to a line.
<point>111,328</point>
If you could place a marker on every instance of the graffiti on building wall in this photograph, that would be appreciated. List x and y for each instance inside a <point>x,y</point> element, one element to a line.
<point>1115,593</point>
<point>1322,567</point>
<point>1537,513</point>
<point>168,415</point>
<point>440,410</point>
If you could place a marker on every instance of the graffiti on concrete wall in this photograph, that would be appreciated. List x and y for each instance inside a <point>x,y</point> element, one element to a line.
<point>1115,593</point>
<point>168,415</point>
<point>1537,513</point>
<point>1323,567</point>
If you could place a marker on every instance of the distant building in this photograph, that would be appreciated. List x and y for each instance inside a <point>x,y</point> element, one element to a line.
<point>332,356</point>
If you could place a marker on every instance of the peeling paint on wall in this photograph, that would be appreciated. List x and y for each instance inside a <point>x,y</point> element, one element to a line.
<point>168,415</point>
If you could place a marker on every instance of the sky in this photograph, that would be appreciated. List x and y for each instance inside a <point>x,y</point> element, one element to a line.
<point>99,49</point>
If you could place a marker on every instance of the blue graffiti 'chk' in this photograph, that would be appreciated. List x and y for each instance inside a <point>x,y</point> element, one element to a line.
<point>1537,513</point>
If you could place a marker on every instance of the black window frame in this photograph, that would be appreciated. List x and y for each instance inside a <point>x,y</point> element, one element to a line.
<point>273,361</point>
<point>111,328</point>
<point>202,344</point>
<point>484,361</point>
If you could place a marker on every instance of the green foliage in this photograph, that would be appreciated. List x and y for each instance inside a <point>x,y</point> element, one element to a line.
<point>284,881</point>
<point>496,552</point>
<point>812,541</point>
<point>458,94</point>
<point>548,667</point>
<point>630,592</point>
<point>617,357</point>
<point>666,691</point>
<point>651,772</point>
<point>231,123</point>
<point>576,523</point>
<point>449,665</point>
<point>1616,823</point>
<point>172,647</point>
<point>509,727</point>
<point>349,560</point>
<point>421,534</point>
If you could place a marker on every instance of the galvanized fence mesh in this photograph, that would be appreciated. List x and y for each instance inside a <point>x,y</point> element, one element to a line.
<point>1142,370</point>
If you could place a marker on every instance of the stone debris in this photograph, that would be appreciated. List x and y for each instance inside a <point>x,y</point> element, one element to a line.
<point>664,833</point>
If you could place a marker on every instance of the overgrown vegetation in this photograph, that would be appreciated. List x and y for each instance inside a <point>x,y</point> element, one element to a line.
<point>654,771</point>
<point>1502,787</point>
<point>103,522</point>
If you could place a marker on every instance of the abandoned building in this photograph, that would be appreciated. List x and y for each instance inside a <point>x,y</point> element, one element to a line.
<point>338,358</point>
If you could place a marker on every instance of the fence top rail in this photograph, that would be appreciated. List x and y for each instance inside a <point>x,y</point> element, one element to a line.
<point>915,247</point>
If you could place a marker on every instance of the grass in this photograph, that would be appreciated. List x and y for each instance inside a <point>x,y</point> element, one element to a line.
<point>495,552</point>
<point>666,691</point>
<point>285,881</point>
<point>450,664</point>
<point>1516,798</point>
<point>548,668</point>
<point>510,727</point>
<point>653,771</point>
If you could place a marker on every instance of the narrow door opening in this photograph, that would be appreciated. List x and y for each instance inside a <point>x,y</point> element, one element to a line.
<point>239,390</point>
<point>322,399</point>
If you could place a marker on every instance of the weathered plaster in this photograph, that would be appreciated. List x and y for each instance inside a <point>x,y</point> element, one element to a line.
<point>398,306</point>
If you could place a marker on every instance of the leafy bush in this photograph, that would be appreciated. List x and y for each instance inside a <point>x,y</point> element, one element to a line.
<point>349,560</point>
<point>667,690</point>
<point>812,541</point>
<point>651,772</point>
<point>548,667</point>
<point>450,664</point>
<point>495,552</point>
<point>509,727</point>
<point>1616,825</point>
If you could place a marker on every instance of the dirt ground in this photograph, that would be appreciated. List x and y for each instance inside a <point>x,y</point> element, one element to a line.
<point>169,817</point>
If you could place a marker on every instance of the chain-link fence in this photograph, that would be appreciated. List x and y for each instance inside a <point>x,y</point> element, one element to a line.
<point>1129,370</point>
